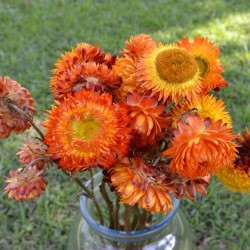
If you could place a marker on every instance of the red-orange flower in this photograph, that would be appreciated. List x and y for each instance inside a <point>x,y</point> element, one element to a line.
<point>86,66</point>
<point>200,148</point>
<point>125,66</point>
<point>138,45</point>
<point>147,117</point>
<point>86,130</point>
<point>25,184</point>
<point>33,152</point>
<point>141,183</point>
<point>206,55</point>
<point>13,96</point>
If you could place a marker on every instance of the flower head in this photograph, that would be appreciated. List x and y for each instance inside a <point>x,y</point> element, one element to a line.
<point>86,130</point>
<point>12,97</point>
<point>141,183</point>
<point>200,148</point>
<point>146,117</point>
<point>33,151</point>
<point>25,184</point>
<point>169,73</point>
<point>206,107</point>
<point>206,55</point>
<point>84,67</point>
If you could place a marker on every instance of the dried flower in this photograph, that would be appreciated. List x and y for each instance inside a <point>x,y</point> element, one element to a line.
<point>33,151</point>
<point>12,97</point>
<point>84,67</point>
<point>212,141</point>
<point>169,73</point>
<point>206,107</point>
<point>147,118</point>
<point>86,130</point>
<point>141,183</point>
<point>206,55</point>
<point>25,184</point>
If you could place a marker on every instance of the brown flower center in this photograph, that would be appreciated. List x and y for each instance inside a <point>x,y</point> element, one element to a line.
<point>202,64</point>
<point>176,65</point>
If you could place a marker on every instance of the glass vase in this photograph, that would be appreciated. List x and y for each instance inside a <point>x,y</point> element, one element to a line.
<point>168,232</point>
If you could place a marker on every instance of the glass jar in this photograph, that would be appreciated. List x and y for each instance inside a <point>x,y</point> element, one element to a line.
<point>168,232</point>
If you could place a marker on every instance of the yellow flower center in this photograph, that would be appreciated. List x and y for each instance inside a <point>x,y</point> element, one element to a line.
<point>175,65</point>
<point>202,64</point>
<point>85,129</point>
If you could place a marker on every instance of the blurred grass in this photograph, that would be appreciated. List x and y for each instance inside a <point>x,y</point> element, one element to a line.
<point>33,34</point>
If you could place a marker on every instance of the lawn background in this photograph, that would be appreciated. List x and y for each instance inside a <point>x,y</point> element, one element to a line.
<point>33,34</point>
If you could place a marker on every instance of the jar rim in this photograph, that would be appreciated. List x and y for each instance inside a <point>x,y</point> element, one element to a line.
<point>123,236</point>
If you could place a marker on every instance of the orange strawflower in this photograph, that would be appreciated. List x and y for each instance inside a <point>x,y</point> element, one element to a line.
<point>86,130</point>
<point>86,66</point>
<point>141,183</point>
<point>200,148</point>
<point>138,45</point>
<point>206,107</point>
<point>206,55</point>
<point>147,118</point>
<point>169,73</point>
<point>33,151</point>
<point>12,95</point>
<point>25,184</point>
<point>125,67</point>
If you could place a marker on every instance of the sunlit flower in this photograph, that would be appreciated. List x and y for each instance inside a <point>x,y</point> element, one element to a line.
<point>206,55</point>
<point>86,66</point>
<point>206,107</point>
<point>169,73</point>
<point>200,148</point>
<point>86,130</point>
<point>147,117</point>
<point>25,184</point>
<point>33,152</point>
<point>138,45</point>
<point>235,178</point>
<point>139,182</point>
<point>13,96</point>
<point>125,67</point>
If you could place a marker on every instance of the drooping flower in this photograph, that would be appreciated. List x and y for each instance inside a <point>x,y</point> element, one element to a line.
<point>199,148</point>
<point>140,183</point>
<point>86,130</point>
<point>147,118</point>
<point>206,107</point>
<point>184,186</point>
<point>33,151</point>
<point>25,184</point>
<point>206,55</point>
<point>84,67</point>
<point>169,73</point>
<point>13,96</point>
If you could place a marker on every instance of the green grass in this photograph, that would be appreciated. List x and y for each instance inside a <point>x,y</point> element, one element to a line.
<point>33,34</point>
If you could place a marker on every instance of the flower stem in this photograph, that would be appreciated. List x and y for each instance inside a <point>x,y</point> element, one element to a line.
<point>116,213</point>
<point>109,204</point>
<point>28,119</point>
<point>127,224</point>
<point>90,194</point>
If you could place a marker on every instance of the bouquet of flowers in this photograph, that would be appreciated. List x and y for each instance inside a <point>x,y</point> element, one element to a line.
<point>146,119</point>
